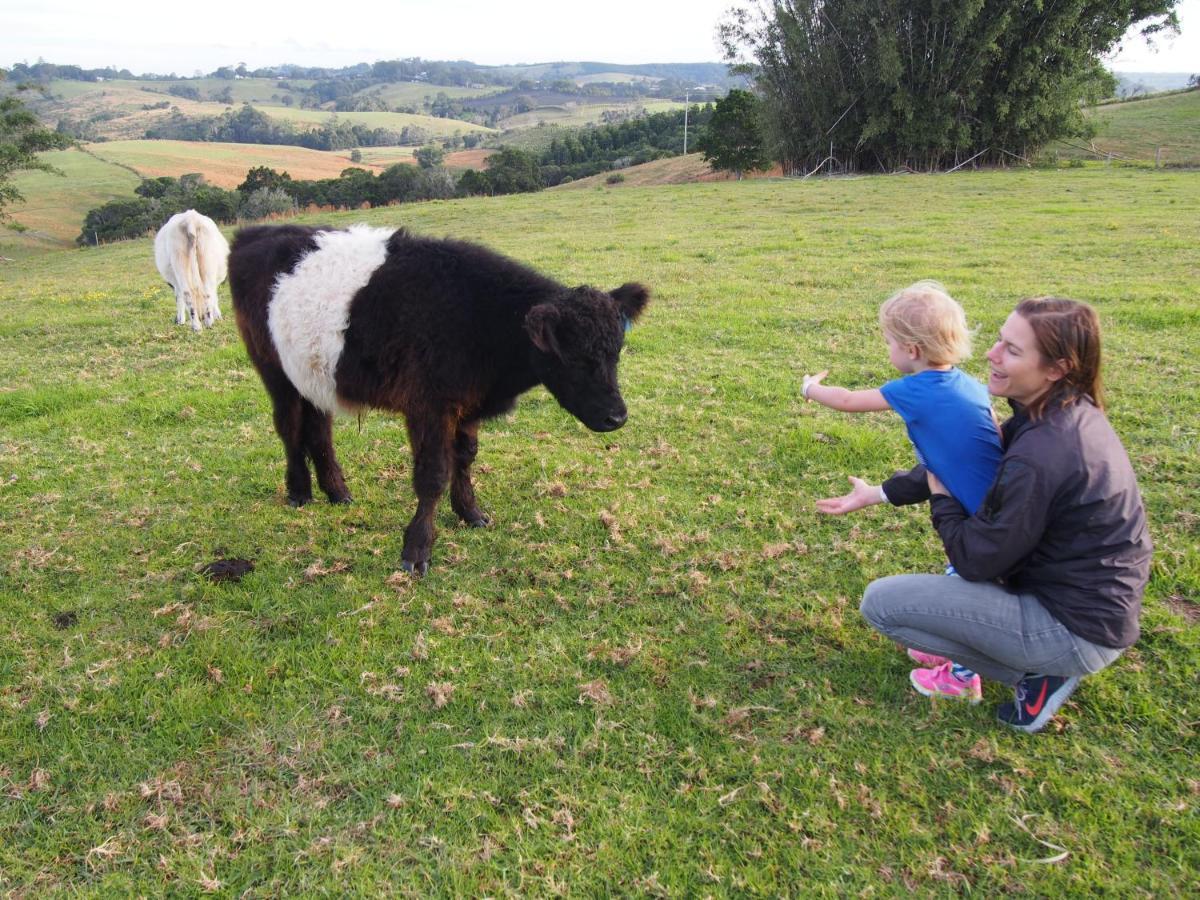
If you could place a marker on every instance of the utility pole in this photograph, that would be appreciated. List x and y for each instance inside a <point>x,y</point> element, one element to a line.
<point>686,94</point>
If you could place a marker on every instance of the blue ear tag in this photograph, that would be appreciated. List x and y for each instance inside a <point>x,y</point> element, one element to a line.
<point>627,322</point>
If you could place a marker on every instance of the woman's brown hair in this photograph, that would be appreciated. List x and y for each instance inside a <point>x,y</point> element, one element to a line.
<point>1068,333</point>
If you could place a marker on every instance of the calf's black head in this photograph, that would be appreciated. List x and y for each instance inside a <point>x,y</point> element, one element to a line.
<point>577,339</point>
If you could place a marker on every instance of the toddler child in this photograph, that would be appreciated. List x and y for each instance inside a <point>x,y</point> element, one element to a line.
<point>949,420</point>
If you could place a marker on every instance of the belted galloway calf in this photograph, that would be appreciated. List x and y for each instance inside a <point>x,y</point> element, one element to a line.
<point>446,332</point>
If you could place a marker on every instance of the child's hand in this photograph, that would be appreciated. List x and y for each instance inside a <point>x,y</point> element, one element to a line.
<point>810,380</point>
<point>935,485</point>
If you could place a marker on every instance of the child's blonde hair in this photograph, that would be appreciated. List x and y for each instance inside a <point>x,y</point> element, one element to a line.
<point>924,315</point>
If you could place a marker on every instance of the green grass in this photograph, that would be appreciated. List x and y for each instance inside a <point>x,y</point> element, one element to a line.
<point>661,683</point>
<point>1136,129</point>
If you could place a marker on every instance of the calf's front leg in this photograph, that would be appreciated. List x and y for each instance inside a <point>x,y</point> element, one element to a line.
<point>431,438</point>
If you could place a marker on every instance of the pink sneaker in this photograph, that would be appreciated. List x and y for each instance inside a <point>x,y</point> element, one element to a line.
<point>940,682</point>
<point>928,660</point>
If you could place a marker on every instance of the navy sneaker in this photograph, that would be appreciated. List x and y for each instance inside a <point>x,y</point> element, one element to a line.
<point>1038,698</point>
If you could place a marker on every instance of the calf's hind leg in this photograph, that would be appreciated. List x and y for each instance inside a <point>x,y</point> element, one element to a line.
<point>462,491</point>
<point>318,444</point>
<point>432,447</point>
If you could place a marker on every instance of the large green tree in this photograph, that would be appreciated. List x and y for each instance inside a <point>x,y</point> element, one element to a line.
<point>733,141</point>
<point>22,138</point>
<point>927,84</point>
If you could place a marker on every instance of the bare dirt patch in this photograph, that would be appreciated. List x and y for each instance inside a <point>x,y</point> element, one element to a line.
<point>467,159</point>
<point>1183,606</point>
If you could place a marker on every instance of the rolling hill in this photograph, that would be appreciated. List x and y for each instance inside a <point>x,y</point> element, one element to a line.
<point>1136,129</point>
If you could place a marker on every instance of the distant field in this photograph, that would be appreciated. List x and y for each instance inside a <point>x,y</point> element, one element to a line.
<point>416,93</point>
<point>224,165</point>
<point>571,115</point>
<point>439,128</point>
<point>116,109</point>
<point>245,90</point>
<point>613,78</point>
<point>1136,128</point>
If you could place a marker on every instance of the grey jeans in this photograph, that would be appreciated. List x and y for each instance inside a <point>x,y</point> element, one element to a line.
<point>980,625</point>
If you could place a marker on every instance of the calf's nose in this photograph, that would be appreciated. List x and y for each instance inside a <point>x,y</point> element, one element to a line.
<point>613,421</point>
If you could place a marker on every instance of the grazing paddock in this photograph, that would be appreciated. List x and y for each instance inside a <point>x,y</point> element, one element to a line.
<point>650,676</point>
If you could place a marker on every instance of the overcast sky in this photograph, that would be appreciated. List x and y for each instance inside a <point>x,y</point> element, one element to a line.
<point>152,36</point>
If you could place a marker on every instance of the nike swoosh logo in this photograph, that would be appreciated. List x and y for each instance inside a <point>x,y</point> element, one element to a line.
<point>1034,708</point>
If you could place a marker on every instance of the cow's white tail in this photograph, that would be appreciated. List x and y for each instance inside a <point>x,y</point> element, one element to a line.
<point>187,264</point>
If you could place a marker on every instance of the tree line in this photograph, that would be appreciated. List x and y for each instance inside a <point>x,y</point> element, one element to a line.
<point>248,125</point>
<point>266,192</point>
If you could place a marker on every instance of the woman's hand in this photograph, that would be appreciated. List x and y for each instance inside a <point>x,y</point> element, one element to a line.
<point>935,486</point>
<point>861,494</point>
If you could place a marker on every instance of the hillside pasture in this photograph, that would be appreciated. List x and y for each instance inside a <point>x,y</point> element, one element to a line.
<point>576,114</point>
<point>672,170</point>
<point>615,78</point>
<point>116,110</point>
<point>649,677</point>
<point>1136,129</point>
<point>55,205</point>
<point>415,93</point>
<point>438,128</point>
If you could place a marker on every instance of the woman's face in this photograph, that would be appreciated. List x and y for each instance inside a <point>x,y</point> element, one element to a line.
<point>1017,369</point>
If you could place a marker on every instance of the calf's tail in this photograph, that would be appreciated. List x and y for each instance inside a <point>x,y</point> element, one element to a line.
<point>187,264</point>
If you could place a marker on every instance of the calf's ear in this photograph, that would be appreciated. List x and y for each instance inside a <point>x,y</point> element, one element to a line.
<point>540,323</point>
<point>631,299</point>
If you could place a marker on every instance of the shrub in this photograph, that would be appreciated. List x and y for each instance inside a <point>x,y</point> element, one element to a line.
<point>265,202</point>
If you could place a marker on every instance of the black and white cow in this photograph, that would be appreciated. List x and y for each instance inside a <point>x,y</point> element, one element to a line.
<point>446,332</point>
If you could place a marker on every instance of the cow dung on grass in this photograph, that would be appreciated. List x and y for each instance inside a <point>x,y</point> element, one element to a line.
<point>446,332</point>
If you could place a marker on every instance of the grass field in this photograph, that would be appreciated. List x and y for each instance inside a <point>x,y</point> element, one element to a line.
<point>416,93</point>
<point>438,128</point>
<point>1136,129</point>
<point>577,115</point>
<point>649,677</point>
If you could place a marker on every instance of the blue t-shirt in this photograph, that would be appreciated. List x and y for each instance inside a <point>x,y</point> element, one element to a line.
<point>949,420</point>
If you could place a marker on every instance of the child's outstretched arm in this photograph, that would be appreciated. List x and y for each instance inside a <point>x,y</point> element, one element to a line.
<point>841,399</point>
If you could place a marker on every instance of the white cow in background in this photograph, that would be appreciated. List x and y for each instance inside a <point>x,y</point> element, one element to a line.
<point>191,254</point>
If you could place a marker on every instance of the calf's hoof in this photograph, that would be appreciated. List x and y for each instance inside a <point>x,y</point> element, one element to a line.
<point>421,568</point>
<point>344,500</point>
<point>296,501</point>
<point>482,520</point>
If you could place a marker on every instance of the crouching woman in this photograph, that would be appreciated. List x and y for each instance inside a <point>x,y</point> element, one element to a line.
<point>1054,563</point>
